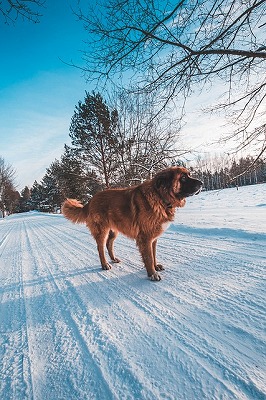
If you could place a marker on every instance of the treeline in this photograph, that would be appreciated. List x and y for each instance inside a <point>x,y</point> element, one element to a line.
<point>64,179</point>
<point>117,149</point>
<point>220,173</point>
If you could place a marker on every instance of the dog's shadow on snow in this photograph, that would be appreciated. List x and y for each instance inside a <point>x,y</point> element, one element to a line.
<point>69,295</point>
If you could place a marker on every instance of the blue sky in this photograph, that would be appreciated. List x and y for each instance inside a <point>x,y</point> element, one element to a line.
<point>39,91</point>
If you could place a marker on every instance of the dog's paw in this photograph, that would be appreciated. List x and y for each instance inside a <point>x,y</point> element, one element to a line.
<point>159,267</point>
<point>106,266</point>
<point>155,277</point>
<point>116,260</point>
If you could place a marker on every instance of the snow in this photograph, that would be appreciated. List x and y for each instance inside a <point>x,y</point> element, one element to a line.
<point>69,330</point>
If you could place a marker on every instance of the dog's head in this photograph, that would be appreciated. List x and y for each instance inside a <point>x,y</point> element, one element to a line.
<point>174,183</point>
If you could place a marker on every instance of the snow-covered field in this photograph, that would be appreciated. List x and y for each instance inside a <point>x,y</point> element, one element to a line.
<point>69,330</point>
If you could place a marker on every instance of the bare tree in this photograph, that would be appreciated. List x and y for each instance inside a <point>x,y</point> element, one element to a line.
<point>11,10</point>
<point>172,48</point>
<point>7,174</point>
<point>147,141</point>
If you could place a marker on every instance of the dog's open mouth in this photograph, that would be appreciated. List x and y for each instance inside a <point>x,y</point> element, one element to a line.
<point>192,194</point>
<point>188,194</point>
<point>189,187</point>
<point>198,191</point>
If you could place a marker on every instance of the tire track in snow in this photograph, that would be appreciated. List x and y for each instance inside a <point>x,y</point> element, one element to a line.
<point>188,350</point>
<point>6,230</point>
<point>26,361</point>
<point>215,299</point>
<point>214,271</point>
<point>15,361</point>
<point>199,349</point>
<point>61,311</point>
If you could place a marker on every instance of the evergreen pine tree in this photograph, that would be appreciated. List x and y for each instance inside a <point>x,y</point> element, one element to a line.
<point>93,133</point>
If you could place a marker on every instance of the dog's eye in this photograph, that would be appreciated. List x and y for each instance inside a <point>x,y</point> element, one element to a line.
<point>183,178</point>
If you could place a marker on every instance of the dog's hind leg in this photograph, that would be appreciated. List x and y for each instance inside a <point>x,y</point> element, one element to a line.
<point>110,245</point>
<point>100,235</point>
<point>101,241</point>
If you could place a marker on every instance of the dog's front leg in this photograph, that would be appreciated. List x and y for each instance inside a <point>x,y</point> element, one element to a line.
<point>145,246</point>
<point>110,245</point>
<point>158,267</point>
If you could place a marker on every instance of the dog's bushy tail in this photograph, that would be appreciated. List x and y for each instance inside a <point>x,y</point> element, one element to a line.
<point>74,211</point>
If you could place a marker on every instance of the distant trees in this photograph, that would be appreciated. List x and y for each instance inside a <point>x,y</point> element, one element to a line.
<point>66,178</point>
<point>8,196</point>
<point>226,172</point>
<point>24,201</point>
<point>37,196</point>
<point>72,178</point>
<point>60,181</point>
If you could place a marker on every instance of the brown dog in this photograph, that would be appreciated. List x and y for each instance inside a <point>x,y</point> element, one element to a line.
<point>141,212</point>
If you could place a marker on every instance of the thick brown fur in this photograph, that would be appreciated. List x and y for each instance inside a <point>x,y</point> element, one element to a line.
<point>140,212</point>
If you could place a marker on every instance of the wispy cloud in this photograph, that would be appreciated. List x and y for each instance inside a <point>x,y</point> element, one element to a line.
<point>39,113</point>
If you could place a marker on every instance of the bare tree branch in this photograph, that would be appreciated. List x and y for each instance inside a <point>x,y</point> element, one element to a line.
<point>172,49</point>
<point>11,10</point>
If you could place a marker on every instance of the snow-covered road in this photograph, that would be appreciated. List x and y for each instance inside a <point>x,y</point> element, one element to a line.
<point>69,330</point>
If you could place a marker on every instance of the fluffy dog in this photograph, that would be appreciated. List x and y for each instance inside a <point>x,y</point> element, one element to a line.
<point>141,212</point>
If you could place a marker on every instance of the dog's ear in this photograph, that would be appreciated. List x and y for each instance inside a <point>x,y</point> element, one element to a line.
<point>164,179</point>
